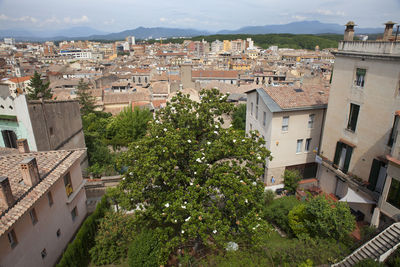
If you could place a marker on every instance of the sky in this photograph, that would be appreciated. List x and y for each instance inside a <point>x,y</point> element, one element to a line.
<point>212,15</point>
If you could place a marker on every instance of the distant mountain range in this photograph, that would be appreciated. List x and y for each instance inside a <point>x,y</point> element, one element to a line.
<point>87,33</point>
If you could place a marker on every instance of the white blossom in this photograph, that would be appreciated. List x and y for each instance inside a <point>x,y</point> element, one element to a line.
<point>215,231</point>
<point>216,126</point>
<point>254,183</point>
<point>246,201</point>
<point>157,121</point>
<point>123,178</point>
<point>183,207</point>
<point>187,219</point>
<point>166,205</point>
<point>215,132</point>
<point>191,183</point>
<point>157,136</point>
<point>195,173</point>
<point>208,143</point>
<point>189,141</point>
<point>243,140</point>
<point>258,157</point>
<point>198,160</point>
<point>183,232</point>
<point>165,129</point>
<point>131,173</point>
<point>175,221</point>
<point>234,140</point>
<point>185,202</point>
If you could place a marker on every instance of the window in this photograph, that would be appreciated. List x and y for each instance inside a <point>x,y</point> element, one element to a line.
<point>74,213</point>
<point>394,193</point>
<point>50,199</point>
<point>393,134</point>
<point>377,175</point>
<point>311,121</point>
<point>58,233</point>
<point>264,118</point>
<point>51,131</point>
<point>251,108</point>
<point>9,138</point>
<point>12,238</point>
<point>342,156</point>
<point>258,96</point>
<point>285,124</point>
<point>353,116</point>
<point>44,253</point>
<point>308,145</point>
<point>360,77</point>
<point>256,112</point>
<point>299,145</point>
<point>68,185</point>
<point>33,216</point>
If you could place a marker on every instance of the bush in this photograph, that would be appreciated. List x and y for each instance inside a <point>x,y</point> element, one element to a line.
<point>291,180</point>
<point>113,238</point>
<point>278,212</point>
<point>77,252</point>
<point>368,263</point>
<point>269,196</point>
<point>144,250</point>
<point>239,117</point>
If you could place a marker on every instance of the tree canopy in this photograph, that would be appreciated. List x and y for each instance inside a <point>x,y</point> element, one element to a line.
<point>87,101</point>
<point>239,117</point>
<point>38,89</point>
<point>192,181</point>
<point>128,126</point>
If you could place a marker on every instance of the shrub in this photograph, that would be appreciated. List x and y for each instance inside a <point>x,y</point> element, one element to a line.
<point>278,212</point>
<point>269,196</point>
<point>291,180</point>
<point>77,252</point>
<point>113,238</point>
<point>144,250</point>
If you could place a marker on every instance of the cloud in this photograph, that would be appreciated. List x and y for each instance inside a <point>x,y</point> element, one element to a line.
<point>109,22</point>
<point>163,19</point>
<point>299,18</point>
<point>20,19</point>
<point>82,19</point>
<point>327,12</point>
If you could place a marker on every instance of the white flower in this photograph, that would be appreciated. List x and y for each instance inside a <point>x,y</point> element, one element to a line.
<point>175,221</point>
<point>123,178</point>
<point>166,205</point>
<point>254,183</point>
<point>157,136</point>
<point>243,140</point>
<point>216,126</point>
<point>172,108</point>
<point>215,231</point>
<point>163,150</point>
<point>215,132</point>
<point>258,157</point>
<point>230,125</point>
<point>185,202</point>
<point>234,140</point>
<point>208,143</point>
<point>187,219</point>
<point>241,181</point>
<point>183,207</point>
<point>246,201</point>
<point>131,173</point>
<point>198,160</point>
<point>165,129</point>
<point>191,183</point>
<point>157,121</point>
<point>202,158</point>
<point>183,232</point>
<point>189,141</point>
<point>195,173</point>
<point>137,146</point>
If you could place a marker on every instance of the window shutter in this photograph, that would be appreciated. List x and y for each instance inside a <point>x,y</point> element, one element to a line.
<point>5,138</point>
<point>349,150</point>
<point>361,72</point>
<point>373,175</point>
<point>337,153</point>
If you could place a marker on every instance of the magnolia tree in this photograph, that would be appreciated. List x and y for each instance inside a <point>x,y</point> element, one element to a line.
<point>192,181</point>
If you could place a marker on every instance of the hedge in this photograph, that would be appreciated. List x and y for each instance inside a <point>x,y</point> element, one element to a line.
<point>77,252</point>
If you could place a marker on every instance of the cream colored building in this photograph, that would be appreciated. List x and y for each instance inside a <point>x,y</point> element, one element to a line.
<point>289,119</point>
<point>42,205</point>
<point>357,134</point>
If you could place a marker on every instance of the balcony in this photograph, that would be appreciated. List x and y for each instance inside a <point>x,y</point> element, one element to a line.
<point>353,180</point>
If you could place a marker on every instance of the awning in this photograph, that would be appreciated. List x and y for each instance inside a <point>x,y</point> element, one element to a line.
<point>354,197</point>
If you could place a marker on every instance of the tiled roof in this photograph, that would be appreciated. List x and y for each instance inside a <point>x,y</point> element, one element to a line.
<point>159,87</point>
<point>123,98</point>
<point>20,79</point>
<point>52,166</point>
<point>231,74</point>
<point>290,97</point>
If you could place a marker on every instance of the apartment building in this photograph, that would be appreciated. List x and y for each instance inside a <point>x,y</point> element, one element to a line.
<point>18,85</point>
<point>290,120</point>
<point>42,204</point>
<point>358,133</point>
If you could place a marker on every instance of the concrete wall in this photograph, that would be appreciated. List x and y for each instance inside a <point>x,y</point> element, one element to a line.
<point>370,47</point>
<point>56,124</point>
<point>32,239</point>
<point>22,127</point>
<point>378,100</point>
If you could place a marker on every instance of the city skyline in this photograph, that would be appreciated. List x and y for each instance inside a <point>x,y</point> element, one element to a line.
<point>113,16</point>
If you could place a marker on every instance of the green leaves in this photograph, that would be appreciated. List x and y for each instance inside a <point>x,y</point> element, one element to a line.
<point>193,180</point>
<point>37,89</point>
<point>86,100</point>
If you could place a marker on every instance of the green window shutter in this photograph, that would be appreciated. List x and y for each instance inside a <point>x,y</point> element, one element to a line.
<point>349,150</point>
<point>373,175</point>
<point>337,153</point>
<point>353,117</point>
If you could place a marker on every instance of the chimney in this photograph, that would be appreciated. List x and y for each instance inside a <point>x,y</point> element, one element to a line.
<point>23,146</point>
<point>388,30</point>
<point>349,32</point>
<point>30,171</point>
<point>6,196</point>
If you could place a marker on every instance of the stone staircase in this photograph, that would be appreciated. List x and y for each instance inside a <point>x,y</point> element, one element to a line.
<point>378,248</point>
